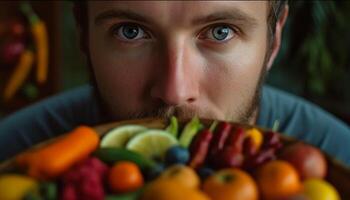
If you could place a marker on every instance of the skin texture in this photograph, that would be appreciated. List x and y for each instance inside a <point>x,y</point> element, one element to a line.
<point>176,65</point>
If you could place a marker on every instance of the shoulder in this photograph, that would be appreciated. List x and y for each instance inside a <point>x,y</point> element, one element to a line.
<point>48,118</point>
<point>305,121</point>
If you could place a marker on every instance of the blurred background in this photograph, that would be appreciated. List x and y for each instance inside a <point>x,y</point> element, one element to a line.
<point>314,60</point>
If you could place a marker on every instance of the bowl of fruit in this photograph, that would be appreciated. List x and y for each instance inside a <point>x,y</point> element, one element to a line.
<point>166,159</point>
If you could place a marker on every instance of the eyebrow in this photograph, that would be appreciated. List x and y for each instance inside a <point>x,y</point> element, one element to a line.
<point>232,14</point>
<point>121,14</point>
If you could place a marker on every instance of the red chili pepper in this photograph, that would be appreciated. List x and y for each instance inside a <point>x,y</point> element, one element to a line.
<point>231,154</point>
<point>200,148</point>
<point>228,157</point>
<point>219,138</point>
<point>271,139</point>
<point>249,149</point>
<point>260,158</point>
<point>236,138</point>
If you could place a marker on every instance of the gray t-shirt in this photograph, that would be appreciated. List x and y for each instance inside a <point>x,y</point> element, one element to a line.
<point>63,112</point>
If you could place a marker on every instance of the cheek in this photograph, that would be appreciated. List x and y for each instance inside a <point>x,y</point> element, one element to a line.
<point>233,77</point>
<point>121,75</point>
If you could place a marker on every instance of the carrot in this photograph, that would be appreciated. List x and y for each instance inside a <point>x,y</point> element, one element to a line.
<point>52,160</point>
<point>19,75</point>
<point>40,35</point>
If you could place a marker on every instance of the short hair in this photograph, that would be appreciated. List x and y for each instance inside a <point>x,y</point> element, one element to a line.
<point>276,7</point>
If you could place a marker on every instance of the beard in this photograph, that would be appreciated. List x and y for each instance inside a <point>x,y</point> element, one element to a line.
<point>246,113</point>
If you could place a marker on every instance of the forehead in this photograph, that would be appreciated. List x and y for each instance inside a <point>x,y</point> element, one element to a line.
<point>180,12</point>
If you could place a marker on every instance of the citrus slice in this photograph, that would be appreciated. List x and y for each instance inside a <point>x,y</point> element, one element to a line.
<point>118,137</point>
<point>152,143</point>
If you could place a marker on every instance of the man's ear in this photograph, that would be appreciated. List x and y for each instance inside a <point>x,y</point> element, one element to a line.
<point>275,47</point>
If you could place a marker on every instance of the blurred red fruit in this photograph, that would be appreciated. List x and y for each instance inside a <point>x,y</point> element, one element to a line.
<point>307,160</point>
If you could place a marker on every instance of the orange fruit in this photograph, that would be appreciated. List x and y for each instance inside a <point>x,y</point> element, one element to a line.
<point>183,174</point>
<point>278,179</point>
<point>125,176</point>
<point>167,189</point>
<point>231,184</point>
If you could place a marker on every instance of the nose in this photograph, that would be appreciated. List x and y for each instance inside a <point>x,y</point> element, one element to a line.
<point>177,76</point>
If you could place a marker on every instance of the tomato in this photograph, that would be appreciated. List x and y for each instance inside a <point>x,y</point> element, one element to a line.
<point>231,184</point>
<point>278,179</point>
<point>318,189</point>
<point>125,176</point>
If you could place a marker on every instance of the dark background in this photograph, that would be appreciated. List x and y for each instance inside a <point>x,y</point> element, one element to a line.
<point>314,60</point>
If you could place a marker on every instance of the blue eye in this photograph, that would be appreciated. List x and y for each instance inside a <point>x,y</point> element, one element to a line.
<point>129,32</point>
<point>219,33</point>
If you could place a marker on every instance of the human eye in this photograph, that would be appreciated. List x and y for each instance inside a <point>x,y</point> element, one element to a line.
<point>129,32</point>
<point>218,33</point>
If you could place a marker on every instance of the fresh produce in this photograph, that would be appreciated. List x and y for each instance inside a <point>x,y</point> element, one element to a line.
<point>267,151</point>
<point>40,35</point>
<point>166,189</point>
<point>15,187</point>
<point>318,189</point>
<point>53,159</point>
<point>184,175</point>
<point>154,172</point>
<point>125,176</point>
<point>133,162</point>
<point>19,75</point>
<point>199,148</point>
<point>11,51</point>
<point>296,197</point>
<point>173,128</point>
<point>256,137</point>
<point>152,143</point>
<point>271,140</point>
<point>307,160</point>
<point>85,181</point>
<point>249,148</point>
<point>118,137</point>
<point>231,154</point>
<point>126,196</point>
<point>176,155</point>
<point>48,190</point>
<point>230,184</point>
<point>278,179</point>
<point>113,155</point>
<point>188,133</point>
<point>220,135</point>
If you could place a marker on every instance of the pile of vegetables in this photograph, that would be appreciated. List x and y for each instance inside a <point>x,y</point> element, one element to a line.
<point>224,161</point>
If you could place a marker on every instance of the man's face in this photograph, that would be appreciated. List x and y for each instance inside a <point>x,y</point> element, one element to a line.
<point>184,58</point>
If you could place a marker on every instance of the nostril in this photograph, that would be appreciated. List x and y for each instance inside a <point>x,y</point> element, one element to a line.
<point>190,100</point>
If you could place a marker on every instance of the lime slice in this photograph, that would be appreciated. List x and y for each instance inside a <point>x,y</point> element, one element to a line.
<point>118,137</point>
<point>152,143</point>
